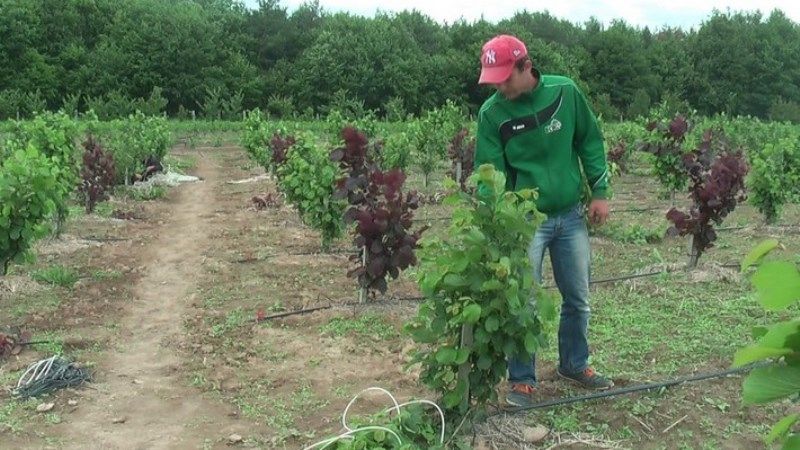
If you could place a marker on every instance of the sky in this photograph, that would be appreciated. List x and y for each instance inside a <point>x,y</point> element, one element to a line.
<point>652,13</point>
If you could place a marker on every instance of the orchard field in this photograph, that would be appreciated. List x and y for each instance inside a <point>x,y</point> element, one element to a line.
<point>220,312</point>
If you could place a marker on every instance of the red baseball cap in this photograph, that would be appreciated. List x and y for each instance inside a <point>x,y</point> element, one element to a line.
<point>498,57</point>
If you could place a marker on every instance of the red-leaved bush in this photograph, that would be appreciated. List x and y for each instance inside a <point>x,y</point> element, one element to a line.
<point>97,174</point>
<point>382,212</point>
<point>716,173</point>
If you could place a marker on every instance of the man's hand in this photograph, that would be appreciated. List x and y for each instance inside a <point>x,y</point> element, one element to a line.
<point>598,211</point>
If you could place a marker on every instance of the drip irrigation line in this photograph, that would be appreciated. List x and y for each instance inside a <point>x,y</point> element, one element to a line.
<point>105,239</point>
<point>622,278</point>
<point>34,342</point>
<point>292,313</point>
<point>354,304</point>
<point>635,388</point>
<point>432,219</point>
<point>315,253</point>
<point>418,298</point>
<point>741,227</point>
<point>652,208</point>
<point>648,209</point>
<point>397,300</point>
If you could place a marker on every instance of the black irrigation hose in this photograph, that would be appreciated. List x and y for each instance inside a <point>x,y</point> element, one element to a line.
<point>60,374</point>
<point>432,219</point>
<point>417,299</point>
<point>652,208</point>
<point>338,305</point>
<point>622,278</point>
<point>105,239</point>
<point>604,280</point>
<point>635,388</point>
<point>313,253</point>
<point>35,342</point>
<point>741,227</point>
<point>292,313</point>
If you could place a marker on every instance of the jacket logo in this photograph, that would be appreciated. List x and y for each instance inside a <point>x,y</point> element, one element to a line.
<point>518,127</point>
<point>553,126</point>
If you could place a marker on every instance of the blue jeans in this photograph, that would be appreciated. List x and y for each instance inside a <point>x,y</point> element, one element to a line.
<point>567,238</point>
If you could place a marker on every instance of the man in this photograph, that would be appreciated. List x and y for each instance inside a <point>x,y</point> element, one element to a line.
<point>539,130</point>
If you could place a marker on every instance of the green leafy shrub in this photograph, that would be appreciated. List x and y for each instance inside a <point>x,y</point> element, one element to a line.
<point>29,193</point>
<point>777,285</point>
<point>307,178</point>
<point>478,285</point>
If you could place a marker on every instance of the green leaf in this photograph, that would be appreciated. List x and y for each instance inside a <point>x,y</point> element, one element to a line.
<point>423,335</point>
<point>492,324</point>
<point>546,306</point>
<point>455,281</point>
<point>758,252</point>
<point>429,283</point>
<point>491,285</point>
<point>791,443</point>
<point>777,284</point>
<point>484,362</point>
<point>780,429</point>
<point>446,355</point>
<point>462,356</point>
<point>531,342</point>
<point>776,335</point>
<point>759,331</point>
<point>766,384</point>
<point>756,353</point>
<point>452,399</point>
<point>471,313</point>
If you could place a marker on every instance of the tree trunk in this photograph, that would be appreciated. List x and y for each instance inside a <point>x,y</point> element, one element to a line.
<point>362,293</point>
<point>694,253</point>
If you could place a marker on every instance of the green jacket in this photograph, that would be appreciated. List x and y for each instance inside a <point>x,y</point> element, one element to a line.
<point>541,139</point>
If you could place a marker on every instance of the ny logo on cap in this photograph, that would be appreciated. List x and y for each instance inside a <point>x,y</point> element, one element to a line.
<point>491,56</point>
<point>517,52</point>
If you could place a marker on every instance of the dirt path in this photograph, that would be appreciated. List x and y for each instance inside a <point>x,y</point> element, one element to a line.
<point>140,398</point>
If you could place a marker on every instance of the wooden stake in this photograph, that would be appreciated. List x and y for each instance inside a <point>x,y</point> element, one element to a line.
<point>463,369</point>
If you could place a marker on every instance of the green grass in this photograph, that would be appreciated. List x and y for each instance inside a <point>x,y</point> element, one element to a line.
<point>683,324</point>
<point>37,302</point>
<point>144,193</point>
<point>104,209</point>
<point>55,346</point>
<point>57,275</point>
<point>632,233</point>
<point>101,209</point>
<point>280,413</point>
<point>103,275</point>
<point>368,325</point>
<point>13,415</point>
<point>234,319</point>
<point>179,164</point>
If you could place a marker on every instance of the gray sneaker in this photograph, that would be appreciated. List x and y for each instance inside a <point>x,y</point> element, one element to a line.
<point>521,395</point>
<point>588,379</point>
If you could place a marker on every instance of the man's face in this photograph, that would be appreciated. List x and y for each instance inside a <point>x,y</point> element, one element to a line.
<point>516,83</point>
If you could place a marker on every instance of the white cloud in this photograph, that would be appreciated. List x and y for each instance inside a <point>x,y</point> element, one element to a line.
<point>652,13</point>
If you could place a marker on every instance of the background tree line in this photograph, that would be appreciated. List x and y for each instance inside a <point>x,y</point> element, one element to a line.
<point>218,57</point>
